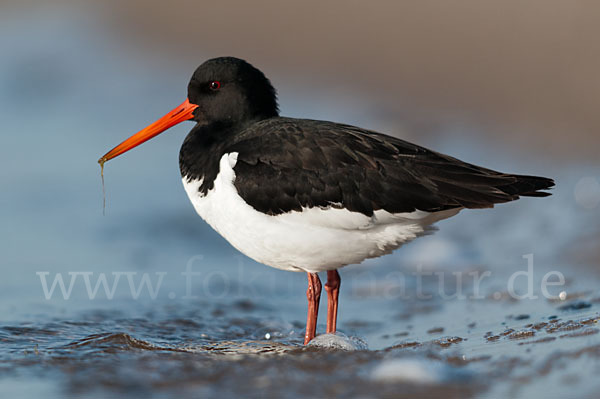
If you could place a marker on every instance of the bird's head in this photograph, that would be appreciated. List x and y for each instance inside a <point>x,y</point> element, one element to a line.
<point>222,90</point>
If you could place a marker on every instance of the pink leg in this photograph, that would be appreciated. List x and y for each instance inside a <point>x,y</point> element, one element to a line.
<point>313,294</point>
<point>333,289</point>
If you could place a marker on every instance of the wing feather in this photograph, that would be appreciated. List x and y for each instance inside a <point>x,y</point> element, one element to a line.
<point>323,164</point>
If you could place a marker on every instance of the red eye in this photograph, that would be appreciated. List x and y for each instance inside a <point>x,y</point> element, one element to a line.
<point>214,85</point>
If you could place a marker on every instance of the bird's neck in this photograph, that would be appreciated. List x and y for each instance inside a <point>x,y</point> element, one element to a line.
<point>203,148</point>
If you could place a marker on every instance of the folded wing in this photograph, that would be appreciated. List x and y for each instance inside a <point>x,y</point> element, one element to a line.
<point>324,164</point>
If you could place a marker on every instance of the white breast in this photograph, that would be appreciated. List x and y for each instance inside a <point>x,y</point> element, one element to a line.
<point>311,240</point>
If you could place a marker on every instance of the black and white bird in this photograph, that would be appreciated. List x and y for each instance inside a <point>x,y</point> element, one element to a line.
<point>313,196</point>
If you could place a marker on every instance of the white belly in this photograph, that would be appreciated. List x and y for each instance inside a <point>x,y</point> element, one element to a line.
<point>311,240</point>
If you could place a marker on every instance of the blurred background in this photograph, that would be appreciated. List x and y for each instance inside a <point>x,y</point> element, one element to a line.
<point>524,72</point>
<point>512,85</point>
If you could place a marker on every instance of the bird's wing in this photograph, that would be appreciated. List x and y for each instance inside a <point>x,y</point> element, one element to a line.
<point>323,164</point>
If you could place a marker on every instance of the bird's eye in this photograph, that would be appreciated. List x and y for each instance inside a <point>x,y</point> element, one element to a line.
<point>214,85</point>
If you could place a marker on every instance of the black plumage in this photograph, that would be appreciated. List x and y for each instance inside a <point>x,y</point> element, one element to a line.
<point>287,164</point>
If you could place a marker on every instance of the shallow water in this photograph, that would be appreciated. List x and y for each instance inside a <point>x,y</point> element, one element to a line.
<point>233,348</point>
<point>414,323</point>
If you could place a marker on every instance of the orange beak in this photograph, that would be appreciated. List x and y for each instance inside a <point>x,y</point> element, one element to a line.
<point>181,113</point>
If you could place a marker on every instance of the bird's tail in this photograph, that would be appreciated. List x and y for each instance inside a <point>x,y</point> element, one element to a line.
<point>529,186</point>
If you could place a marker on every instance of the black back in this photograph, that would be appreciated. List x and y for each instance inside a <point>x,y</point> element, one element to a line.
<point>288,164</point>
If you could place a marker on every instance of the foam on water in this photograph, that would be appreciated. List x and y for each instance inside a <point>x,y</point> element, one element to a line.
<point>409,370</point>
<point>338,341</point>
<point>415,370</point>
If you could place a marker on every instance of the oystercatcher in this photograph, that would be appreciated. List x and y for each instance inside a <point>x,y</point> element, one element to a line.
<point>307,195</point>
